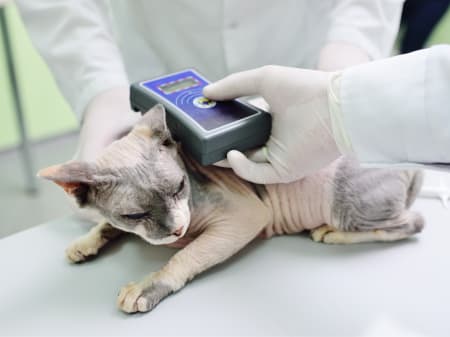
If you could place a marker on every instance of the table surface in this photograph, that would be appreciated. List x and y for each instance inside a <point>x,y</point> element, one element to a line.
<point>282,286</point>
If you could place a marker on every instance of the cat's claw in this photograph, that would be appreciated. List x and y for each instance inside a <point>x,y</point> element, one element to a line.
<point>80,249</point>
<point>135,297</point>
<point>129,297</point>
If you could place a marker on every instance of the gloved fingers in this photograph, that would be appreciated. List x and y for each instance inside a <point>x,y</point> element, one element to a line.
<point>222,163</point>
<point>260,103</point>
<point>259,173</point>
<point>244,83</point>
<point>258,155</point>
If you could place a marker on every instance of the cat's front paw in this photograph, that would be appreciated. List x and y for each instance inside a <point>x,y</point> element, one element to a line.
<point>137,297</point>
<point>80,249</point>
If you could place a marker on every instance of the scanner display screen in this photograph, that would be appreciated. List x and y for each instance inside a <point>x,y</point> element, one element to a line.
<point>179,85</point>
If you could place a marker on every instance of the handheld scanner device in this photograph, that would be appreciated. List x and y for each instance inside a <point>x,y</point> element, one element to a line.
<point>206,129</point>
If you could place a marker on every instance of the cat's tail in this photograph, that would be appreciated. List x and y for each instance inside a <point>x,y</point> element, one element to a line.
<point>415,184</point>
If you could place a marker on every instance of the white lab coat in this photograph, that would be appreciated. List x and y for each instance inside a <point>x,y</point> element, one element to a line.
<point>92,46</point>
<point>397,110</point>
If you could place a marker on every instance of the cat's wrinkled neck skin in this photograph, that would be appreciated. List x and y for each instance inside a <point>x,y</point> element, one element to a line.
<point>198,182</point>
<point>204,201</point>
<point>204,193</point>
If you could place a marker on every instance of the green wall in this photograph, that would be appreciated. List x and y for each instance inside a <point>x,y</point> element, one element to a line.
<point>46,112</point>
<point>441,33</point>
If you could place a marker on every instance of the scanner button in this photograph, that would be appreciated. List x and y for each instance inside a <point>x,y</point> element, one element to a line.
<point>204,103</point>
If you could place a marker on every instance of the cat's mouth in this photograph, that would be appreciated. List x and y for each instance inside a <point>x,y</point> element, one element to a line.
<point>172,238</point>
<point>179,232</point>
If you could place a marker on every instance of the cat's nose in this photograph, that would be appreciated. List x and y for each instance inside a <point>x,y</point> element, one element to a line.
<point>178,231</point>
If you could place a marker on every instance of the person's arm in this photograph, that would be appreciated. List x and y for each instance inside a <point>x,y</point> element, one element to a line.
<point>360,31</point>
<point>76,41</point>
<point>397,110</point>
<point>386,112</point>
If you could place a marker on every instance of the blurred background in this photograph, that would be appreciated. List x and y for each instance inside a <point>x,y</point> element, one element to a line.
<point>38,129</point>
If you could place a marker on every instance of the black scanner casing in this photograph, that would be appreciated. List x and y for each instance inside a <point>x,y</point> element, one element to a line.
<point>207,147</point>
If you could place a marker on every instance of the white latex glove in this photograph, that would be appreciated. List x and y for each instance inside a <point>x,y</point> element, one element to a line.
<point>302,140</point>
<point>107,117</point>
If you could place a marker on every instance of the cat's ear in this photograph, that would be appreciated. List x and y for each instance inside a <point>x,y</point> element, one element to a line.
<point>158,119</point>
<point>74,177</point>
<point>154,122</point>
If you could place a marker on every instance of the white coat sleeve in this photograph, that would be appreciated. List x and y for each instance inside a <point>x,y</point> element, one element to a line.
<point>371,25</point>
<point>397,110</point>
<point>74,37</point>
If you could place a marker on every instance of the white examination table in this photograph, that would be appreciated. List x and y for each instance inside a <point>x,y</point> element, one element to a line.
<point>282,286</point>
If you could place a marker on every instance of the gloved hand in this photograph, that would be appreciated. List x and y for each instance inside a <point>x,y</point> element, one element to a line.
<point>302,140</point>
<point>108,117</point>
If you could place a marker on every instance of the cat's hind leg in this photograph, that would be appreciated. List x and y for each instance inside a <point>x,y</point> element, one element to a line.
<point>318,234</point>
<point>390,231</point>
<point>90,243</point>
<point>372,205</point>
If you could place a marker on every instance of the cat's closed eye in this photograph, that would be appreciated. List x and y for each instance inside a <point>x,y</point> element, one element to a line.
<point>136,216</point>
<point>180,187</point>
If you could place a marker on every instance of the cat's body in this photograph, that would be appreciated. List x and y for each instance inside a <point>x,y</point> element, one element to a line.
<point>143,185</point>
<point>311,202</point>
<point>292,208</point>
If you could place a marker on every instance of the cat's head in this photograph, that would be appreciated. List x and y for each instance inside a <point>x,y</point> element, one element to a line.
<point>138,183</point>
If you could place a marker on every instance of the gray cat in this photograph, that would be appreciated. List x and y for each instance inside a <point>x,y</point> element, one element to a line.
<point>145,184</point>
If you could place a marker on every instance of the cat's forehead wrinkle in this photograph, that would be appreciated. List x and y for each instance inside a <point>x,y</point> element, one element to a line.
<point>122,198</point>
<point>159,176</point>
<point>139,172</point>
<point>104,192</point>
<point>128,199</point>
<point>131,150</point>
